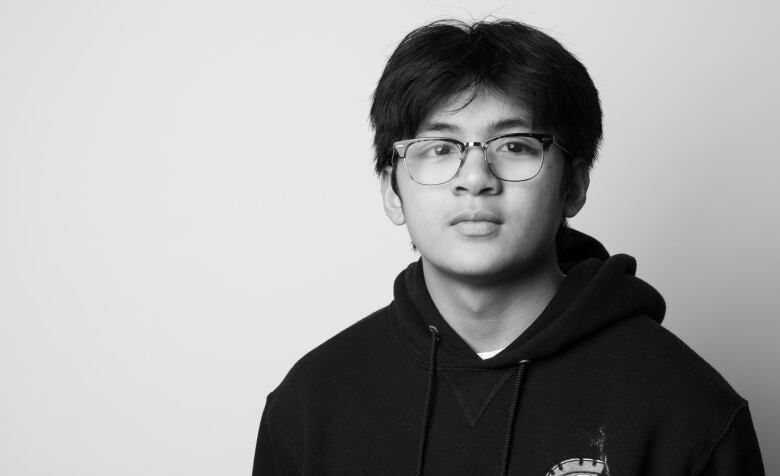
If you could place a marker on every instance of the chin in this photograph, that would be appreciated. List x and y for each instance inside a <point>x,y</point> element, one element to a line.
<point>473,264</point>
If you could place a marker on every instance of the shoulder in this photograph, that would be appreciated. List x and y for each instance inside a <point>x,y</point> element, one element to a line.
<point>649,359</point>
<point>659,382</point>
<point>350,343</point>
<point>339,354</point>
<point>322,382</point>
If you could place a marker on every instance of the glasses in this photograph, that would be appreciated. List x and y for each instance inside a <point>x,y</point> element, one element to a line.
<point>511,157</point>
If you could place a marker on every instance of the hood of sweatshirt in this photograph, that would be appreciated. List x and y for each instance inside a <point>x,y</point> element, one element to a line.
<point>598,291</point>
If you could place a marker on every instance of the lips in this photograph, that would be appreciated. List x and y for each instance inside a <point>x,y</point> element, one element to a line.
<point>476,216</point>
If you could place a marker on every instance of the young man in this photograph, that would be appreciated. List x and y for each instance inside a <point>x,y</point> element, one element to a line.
<point>515,345</point>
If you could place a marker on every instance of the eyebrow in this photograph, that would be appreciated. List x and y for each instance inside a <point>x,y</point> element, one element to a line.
<point>493,127</point>
<point>439,127</point>
<point>513,123</point>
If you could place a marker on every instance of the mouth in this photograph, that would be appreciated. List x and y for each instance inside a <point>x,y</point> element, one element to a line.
<point>476,223</point>
<point>476,216</point>
<point>476,228</point>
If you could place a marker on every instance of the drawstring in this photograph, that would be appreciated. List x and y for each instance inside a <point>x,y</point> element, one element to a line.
<point>511,421</point>
<point>428,398</point>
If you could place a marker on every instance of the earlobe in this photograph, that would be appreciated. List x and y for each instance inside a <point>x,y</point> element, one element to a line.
<point>392,202</point>
<point>578,188</point>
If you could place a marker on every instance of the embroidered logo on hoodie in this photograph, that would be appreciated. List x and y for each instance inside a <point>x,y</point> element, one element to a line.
<point>578,467</point>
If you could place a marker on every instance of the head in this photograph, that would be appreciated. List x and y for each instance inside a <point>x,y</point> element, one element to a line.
<point>438,61</point>
<point>465,77</point>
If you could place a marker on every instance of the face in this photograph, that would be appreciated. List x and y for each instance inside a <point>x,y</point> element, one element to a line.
<point>477,226</point>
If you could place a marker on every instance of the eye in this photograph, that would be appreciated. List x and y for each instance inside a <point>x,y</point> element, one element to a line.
<point>515,147</point>
<point>433,149</point>
<point>442,148</point>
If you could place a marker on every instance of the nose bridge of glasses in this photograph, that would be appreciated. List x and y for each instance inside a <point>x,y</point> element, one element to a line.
<point>480,145</point>
<point>482,164</point>
<point>482,150</point>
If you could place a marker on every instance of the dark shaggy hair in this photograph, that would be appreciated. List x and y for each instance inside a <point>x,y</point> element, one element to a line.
<point>444,58</point>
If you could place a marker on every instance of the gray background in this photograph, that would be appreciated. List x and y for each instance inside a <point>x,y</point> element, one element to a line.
<point>187,205</point>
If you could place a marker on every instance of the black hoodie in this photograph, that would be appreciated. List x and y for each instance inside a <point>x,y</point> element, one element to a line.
<point>594,386</point>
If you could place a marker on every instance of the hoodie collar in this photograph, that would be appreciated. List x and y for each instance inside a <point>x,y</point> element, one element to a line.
<point>597,291</point>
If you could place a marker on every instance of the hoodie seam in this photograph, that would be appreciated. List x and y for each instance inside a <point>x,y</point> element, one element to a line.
<point>711,449</point>
<point>495,389</point>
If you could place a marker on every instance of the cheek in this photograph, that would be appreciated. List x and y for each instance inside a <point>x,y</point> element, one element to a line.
<point>536,211</point>
<point>547,192</point>
<point>424,217</point>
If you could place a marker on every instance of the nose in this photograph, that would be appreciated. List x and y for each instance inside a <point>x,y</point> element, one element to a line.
<point>474,176</point>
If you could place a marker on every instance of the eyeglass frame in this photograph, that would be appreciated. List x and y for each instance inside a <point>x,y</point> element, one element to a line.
<point>545,139</point>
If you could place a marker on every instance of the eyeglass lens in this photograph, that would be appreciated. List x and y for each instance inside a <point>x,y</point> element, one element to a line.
<point>437,161</point>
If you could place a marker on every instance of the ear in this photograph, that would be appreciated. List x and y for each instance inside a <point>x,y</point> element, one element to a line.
<point>578,188</point>
<point>393,206</point>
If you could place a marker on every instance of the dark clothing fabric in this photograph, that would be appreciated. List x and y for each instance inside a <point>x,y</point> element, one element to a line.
<point>594,386</point>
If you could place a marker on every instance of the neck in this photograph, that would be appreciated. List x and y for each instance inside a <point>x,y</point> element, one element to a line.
<point>489,316</point>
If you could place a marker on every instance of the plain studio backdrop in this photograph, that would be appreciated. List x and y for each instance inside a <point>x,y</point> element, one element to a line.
<point>187,205</point>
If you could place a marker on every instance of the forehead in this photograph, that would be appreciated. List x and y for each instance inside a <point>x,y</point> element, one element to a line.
<point>486,112</point>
